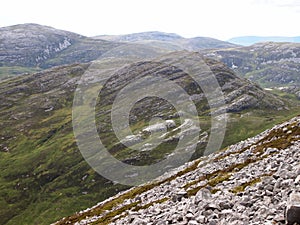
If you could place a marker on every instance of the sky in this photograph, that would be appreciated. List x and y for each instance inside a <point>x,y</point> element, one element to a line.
<point>221,19</point>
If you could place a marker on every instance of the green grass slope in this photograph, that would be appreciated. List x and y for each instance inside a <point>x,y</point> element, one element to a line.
<point>43,175</point>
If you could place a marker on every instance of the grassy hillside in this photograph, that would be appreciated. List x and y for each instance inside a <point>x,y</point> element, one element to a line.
<point>44,177</point>
<point>8,72</point>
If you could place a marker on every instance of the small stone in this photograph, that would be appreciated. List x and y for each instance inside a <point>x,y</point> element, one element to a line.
<point>201,219</point>
<point>269,187</point>
<point>213,222</point>
<point>138,199</point>
<point>270,217</point>
<point>204,194</point>
<point>279,218</point>
<point>297,180</point>
<point>246,201</point>
<point>193,222</point>
<point>213,216</point>
<point>226,205</point>
<point>212,206</point>
<point>207,213</point>
<point>269,193</point>
<point>189,216</point>
<point>138,221</point>
<point>179,195</point>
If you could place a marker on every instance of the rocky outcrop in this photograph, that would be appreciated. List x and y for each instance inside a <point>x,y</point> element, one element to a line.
<point>294,89</point>
<point>252,182</point>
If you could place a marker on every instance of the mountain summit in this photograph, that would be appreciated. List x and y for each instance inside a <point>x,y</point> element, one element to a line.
<point>32,44</point>
<point>169,41</point>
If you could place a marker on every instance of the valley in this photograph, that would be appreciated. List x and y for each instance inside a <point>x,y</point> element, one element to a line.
<point>44,174</point>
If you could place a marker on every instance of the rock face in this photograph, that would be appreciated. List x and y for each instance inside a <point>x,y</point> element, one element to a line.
<point>251,182</point>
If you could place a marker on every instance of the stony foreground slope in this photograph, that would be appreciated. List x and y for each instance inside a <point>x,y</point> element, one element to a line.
<point>247,183</point>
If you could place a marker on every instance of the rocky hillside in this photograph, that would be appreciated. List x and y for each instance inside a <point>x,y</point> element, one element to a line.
<point>29,47</point>
<point>44,177</point>
<point>239,95</point>
<point>269,64</point>
<point>256,181</point>
<point>32,44</point>
<point>169,41</point>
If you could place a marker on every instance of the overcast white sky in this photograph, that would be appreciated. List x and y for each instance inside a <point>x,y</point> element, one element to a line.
<point>220,19</point>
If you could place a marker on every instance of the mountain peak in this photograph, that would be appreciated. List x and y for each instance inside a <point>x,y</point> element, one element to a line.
<point>33,45</point>
<point>34,28</point>
<point>169,41</point>
<point>142,36</point>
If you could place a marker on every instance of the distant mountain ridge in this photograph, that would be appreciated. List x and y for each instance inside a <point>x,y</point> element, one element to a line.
<point>27,48</point>
<point>269,64</point>
<point>150,35</point>
<point>250,40</point>
<point>169,40</point>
